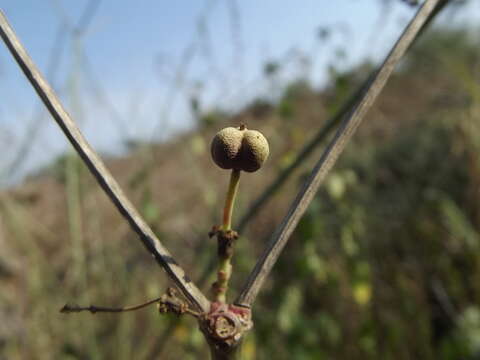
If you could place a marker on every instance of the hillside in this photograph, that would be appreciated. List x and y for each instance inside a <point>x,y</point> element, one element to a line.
<point>385,264</point>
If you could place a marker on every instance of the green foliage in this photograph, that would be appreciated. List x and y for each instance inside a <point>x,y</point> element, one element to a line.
<point>292,95</point>
<point>386,259</point>
<point>271,68</point>
<point>212,118</point>
<point>297,90</point>
<point>286,109</point>
<point>387,255</point>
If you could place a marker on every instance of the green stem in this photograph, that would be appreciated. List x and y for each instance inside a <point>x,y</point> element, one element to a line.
<point>230,200</point>
<point>225,236</point>
<point>223,276</point>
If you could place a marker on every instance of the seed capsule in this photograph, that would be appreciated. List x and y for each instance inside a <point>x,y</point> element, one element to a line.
<point>239,149</point>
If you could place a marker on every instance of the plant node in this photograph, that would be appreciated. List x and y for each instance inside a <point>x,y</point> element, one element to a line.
<point>225,325</point>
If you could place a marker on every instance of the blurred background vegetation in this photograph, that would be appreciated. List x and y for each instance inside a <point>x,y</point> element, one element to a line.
<point>385,264</point>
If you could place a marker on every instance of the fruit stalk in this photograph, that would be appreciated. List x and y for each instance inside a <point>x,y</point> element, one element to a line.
<point>230,200</point>
<point>226,237</point>
<point>239,149</point>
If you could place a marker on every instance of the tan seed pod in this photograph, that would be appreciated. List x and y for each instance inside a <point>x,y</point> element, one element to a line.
<point>239,149</point>
<point>226,146</point>
<point>254,151</point>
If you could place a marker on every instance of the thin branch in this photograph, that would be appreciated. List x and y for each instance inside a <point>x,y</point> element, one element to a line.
<point>300,157</point>
<point>168,302</point>
<point>317,139</point>
<point>73,308</point>
<point>87,16</point>
<point>98,169</point>
<point>277,183</point>
<point>36,122</point>
<point>279,239</point>
<point>180,72</point>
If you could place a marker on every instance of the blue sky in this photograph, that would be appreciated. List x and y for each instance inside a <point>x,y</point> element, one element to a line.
<point>148,57</point>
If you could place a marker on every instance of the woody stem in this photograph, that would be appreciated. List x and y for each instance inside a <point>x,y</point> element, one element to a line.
<point>225,239</point>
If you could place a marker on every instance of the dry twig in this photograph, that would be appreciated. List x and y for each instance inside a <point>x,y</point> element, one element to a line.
<point>98,169</point>
<point>167,303</point>
<point>347,128</point>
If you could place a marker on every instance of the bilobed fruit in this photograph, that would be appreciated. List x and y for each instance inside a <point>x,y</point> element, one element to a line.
<point>226,146</point>
<point>254,151</point>
<point>239,149</point>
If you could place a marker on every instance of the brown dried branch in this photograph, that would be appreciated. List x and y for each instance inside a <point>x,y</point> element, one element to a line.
<point>321,135</point>
<point>74,308</point>
<point>98,169</point>
<point>303,154</point>
<point>347,128</point>
<point>167,303</point>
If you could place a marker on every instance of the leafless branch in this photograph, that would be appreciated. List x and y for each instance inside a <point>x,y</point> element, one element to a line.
<point>87,16</point>
<point>300,157</point>
<point>347,128</point>
<point>74,308</point>
<point>167,303</point>
<point>317,139</point>
<point>180,71</point>
<point>36,122</point>
<point>98,169</point>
